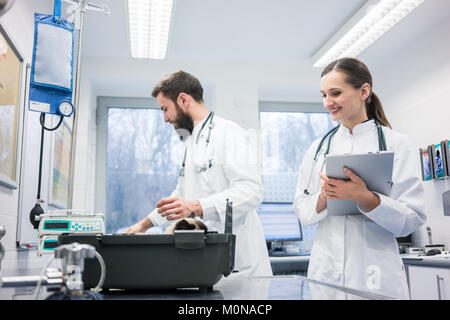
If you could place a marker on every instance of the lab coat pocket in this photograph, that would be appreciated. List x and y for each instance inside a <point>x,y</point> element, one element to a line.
<point>384,271</point>
<point>206,175</point>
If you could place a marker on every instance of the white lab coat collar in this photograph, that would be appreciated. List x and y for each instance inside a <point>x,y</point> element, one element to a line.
<point>360,128</point>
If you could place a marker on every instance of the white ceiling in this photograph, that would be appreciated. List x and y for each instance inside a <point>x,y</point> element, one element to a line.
<point>248,30</point>
<point>282,30</point>
<point>261,32</point>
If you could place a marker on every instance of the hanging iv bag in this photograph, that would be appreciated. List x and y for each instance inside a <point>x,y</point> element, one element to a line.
<point>51,80</point>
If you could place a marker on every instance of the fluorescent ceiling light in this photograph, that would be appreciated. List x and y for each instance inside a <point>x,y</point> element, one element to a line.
<point>365,27</point>
<point>149,22</point>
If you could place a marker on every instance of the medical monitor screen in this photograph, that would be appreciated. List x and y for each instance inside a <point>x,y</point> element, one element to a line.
<point>279,222</point>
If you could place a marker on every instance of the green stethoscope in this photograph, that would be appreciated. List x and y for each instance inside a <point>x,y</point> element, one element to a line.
<point>330,134</point>
<point>210,127</point>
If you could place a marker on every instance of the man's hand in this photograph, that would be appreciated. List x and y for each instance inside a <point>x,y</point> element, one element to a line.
<point>177,208</point>
<point>141,226</point>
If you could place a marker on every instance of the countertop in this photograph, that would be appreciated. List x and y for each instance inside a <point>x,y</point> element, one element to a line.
<point>295,287</point>
<point>440,260</point>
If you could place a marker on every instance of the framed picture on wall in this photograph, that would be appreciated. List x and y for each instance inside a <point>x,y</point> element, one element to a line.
<point>446,155</point>
<point>60,157</point>
<point>11,66</point>
<point>427,168</point>
<point>438,161</point>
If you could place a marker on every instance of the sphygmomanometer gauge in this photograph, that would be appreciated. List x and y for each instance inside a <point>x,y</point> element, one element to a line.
<point>65,108</point>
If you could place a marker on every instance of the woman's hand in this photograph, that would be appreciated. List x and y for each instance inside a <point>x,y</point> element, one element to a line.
<point>354,189</point>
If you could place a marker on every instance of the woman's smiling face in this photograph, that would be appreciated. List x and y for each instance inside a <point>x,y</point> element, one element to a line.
<point>342,100</point>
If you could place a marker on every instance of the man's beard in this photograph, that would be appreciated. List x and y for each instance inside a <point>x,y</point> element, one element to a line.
<point>183,122</point>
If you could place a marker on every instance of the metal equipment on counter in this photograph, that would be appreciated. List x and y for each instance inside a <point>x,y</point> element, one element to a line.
<point>67,282</point>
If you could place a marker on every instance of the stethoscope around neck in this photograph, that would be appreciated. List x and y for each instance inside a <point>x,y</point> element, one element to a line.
<point>330,134</point>
<point>210,127</point>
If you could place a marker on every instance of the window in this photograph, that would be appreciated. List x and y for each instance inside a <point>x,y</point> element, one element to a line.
<point>142,160</point>
<point>285,138</point>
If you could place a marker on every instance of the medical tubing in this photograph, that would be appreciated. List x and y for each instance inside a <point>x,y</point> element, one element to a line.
<point>97,288</point>
<point>38,285</point>
<point>103,272</point>
<point>57,11</point>
<point>42,120</point>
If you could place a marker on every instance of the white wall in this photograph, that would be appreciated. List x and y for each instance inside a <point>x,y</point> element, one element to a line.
<point>415,98</point>
<point>19,24</point>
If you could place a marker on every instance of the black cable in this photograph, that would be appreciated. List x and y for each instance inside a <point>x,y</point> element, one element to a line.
<point>42,120</point>
<point>37,210</point>
<point>40,157</point>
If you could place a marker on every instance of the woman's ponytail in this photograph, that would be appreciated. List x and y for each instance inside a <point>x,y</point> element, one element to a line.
<point>374,110</point>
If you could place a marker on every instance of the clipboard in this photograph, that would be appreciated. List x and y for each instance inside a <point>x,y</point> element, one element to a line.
<point>374,168</point>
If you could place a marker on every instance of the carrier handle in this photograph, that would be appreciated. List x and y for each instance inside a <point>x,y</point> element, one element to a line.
<point>229,218</point>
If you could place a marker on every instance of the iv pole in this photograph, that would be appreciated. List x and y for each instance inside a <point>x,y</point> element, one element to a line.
<point>81,7</point>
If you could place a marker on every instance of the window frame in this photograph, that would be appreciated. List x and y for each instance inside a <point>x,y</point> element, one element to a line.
<point>286,107</point>
<point>308,231</point>
<point>103,104</point>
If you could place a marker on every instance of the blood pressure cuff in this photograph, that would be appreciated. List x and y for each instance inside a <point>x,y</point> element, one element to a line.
<point>51,80</point>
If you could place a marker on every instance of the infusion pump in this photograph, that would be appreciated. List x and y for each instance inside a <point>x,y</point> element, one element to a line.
<point>57,222</point>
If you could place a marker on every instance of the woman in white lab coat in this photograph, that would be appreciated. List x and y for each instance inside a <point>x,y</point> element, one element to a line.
<point>359,251</point>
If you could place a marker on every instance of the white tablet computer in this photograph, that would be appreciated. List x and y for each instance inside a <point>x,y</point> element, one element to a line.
<point>374,168</point>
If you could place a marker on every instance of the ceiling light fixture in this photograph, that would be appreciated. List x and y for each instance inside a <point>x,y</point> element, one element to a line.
<point>372,21</point>
<point>149,24</point>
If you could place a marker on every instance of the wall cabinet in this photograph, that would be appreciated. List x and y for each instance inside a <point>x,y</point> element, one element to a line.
<point>429,283</point>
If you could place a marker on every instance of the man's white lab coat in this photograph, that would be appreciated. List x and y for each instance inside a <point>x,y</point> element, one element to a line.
<point>360,251</point>
<point>227,168</point>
